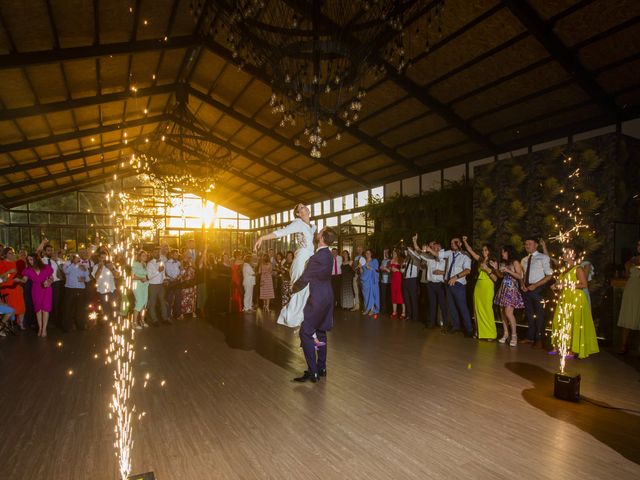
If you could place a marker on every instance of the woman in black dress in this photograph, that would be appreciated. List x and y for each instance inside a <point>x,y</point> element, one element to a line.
<point>347,297</point>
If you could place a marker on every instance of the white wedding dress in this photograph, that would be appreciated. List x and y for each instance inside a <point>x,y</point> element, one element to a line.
<point>292,315</point>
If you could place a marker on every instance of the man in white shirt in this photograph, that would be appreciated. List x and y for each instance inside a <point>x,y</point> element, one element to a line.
<point>458,266</point>
<point>104,273</point>
<point>157,292</point>
<point>172,285</point>
<point>336,275</point>
<point>537,273</point>
<point>410,271</point>
<point>248,282</point>
<point>435,285</point>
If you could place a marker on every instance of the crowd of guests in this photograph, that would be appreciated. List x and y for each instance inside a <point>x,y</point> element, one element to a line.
<point>77,289</point>
<point>429,284</point>
<point>413,283</point>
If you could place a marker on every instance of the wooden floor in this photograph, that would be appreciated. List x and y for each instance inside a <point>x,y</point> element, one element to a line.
<point>400,402</point>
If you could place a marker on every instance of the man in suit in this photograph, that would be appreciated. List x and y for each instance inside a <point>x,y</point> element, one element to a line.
<point>318,312</point>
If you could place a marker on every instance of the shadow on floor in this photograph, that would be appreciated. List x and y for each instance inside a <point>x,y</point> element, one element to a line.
<point>245,332</point>
<point>617,429</point>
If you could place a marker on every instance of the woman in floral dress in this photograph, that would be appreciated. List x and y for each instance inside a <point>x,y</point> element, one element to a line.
<point>189,289</point>
<point>508,297</point>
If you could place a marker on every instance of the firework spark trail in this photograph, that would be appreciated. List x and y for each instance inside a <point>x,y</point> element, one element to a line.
<point>570,224</point>
<point>121,350</point>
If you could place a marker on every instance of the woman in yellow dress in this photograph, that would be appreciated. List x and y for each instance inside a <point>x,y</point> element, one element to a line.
<point>573,312</point>
<point>483,293</point>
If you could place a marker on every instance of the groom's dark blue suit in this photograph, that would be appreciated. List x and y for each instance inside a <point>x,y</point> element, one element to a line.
<point>318,313</point>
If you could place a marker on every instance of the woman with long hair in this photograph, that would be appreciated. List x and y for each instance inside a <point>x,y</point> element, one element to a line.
<point>370,284</point>
<point>573,308</point>
<point>346,292</point>
<point>508,297</point>
<point>41,291</point>
<point>189,288</point>
<point>483,292</point>
<point>395,267</point>
<point>304,232</point>
<point>266,282</point>
<point>286,278</point>
<point>140,287</point>
<point>629,316</point>
<point>11,288</point>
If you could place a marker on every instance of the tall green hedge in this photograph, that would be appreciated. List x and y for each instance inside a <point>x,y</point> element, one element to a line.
<point>436,214</point>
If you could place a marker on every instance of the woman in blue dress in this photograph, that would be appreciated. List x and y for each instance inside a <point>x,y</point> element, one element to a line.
<point>370,285</point>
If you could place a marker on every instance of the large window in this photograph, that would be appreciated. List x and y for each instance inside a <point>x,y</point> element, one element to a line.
<point>363,198</point>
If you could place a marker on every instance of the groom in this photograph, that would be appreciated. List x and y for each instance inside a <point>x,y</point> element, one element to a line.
<point>318,312</point>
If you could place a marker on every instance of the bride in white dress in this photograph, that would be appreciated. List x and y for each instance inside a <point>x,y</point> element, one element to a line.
<point>292,314</point>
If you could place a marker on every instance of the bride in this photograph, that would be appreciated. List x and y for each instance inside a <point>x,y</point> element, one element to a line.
<point>291,315</point>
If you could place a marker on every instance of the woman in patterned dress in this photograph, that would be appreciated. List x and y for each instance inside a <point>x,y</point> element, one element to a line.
<point>266,282</point>
<point>189,289</point>
<point>508,297</point>
<point>286,279</point>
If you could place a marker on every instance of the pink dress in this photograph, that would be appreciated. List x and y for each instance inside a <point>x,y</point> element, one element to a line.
<point>42,297</point>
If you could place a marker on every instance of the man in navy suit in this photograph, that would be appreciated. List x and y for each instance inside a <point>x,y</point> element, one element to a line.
<point>318,312</point>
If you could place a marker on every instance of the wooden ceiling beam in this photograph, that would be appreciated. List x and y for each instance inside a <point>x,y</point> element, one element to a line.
<point>415,90</point>
<point>271,133</point>
<point>47,162</point>
<point>57,176</point>
<point>15,201</point>
<point>44,108</point>
<point>563,55</point>
<point>238,173</point>
<point>352,130</point>
<point>254,158</point>
<point>63,137</point>
<point>25,59</point>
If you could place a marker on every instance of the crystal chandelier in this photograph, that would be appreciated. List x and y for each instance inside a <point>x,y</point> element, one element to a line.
<point>178,156</point>
<point>319,55</point>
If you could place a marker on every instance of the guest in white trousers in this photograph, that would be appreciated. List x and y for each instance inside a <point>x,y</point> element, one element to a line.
<point>248,281</point>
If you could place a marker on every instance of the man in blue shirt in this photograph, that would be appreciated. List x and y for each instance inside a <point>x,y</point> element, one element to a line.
<point>75,301</point>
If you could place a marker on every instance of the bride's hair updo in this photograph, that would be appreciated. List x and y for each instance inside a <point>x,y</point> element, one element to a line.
<point>296,209</point>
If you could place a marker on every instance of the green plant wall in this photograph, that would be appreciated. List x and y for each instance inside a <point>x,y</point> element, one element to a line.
<point>434,215</point>
<point>516,197</point>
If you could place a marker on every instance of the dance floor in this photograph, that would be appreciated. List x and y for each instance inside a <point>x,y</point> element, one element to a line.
<point>399,402</point>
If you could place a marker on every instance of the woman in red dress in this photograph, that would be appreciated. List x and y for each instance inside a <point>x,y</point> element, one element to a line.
<point>11,287</point>
<point>236,282</point>
<point>396,285</point>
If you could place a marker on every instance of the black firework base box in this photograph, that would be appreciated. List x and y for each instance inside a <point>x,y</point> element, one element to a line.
<point>566,386</point>
<point>142,476</point>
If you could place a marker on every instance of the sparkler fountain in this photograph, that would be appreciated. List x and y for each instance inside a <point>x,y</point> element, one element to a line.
<point>569,224</point>
<point>121,350</point>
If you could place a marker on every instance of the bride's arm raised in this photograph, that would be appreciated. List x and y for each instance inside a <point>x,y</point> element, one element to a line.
<point>293,227</point>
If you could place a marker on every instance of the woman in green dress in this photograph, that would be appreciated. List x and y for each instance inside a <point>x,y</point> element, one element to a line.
<point>572,317</point>
<point>629,318</point>
<point>140,287</point>
<point>483,292</point>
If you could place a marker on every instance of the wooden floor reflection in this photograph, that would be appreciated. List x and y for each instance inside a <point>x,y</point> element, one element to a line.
<point>400,402</point>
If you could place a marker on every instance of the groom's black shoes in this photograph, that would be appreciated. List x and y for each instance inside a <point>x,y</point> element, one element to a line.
<point>322,372</point>
<point>307,377</point>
